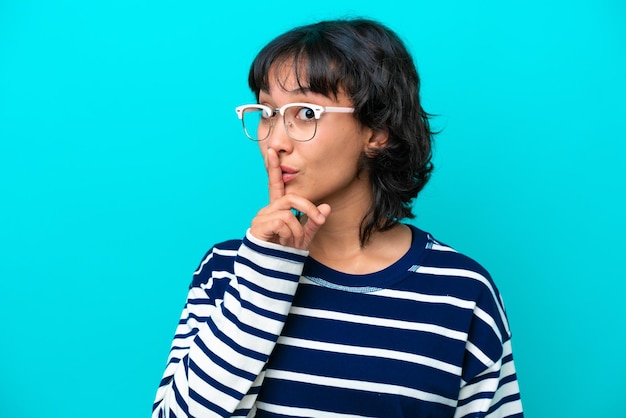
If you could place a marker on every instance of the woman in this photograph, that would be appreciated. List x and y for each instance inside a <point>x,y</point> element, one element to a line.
<point>330,305</point>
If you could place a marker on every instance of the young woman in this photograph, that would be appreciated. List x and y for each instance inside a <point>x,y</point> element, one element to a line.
<point>330,306</point>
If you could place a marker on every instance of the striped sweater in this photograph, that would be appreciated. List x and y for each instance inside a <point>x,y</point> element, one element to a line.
<point>269,332</point>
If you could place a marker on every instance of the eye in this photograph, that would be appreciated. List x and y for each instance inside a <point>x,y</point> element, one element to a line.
<point>306,114</point>
<point>268,113</point>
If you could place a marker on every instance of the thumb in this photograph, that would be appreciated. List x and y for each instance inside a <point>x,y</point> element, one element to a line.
<point>325,209</point>
<point>313,225</point>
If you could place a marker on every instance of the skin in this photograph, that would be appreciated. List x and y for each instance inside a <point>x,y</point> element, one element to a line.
<point>320,178</point>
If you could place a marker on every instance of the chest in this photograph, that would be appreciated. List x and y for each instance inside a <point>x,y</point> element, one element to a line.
<point>366,353</point>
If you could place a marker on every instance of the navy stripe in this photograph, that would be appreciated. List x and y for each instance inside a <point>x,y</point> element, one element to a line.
<point>249,329</point>
<point>201,302</point>
<point>267,272</point>
<point>232,344</point>
<point>395,356</point>
<point>283,255</point>
<point>208,404</point>
<point>213,382</point>
<point>504,400</point>
<point>254,308</point>
<point>262,312</point>
<point>186,335</point>
<point>198,318</point>
<point>267,293</point>
<point>479,395</point>
<point>366,335</point>
<point>225,364</point>
<point>348,401</point>
<point>179,399</point>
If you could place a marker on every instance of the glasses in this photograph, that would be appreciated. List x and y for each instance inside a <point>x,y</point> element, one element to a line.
<point>300,119</point>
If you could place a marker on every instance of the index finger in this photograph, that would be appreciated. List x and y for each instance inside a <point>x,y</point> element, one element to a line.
<point>274,175</point>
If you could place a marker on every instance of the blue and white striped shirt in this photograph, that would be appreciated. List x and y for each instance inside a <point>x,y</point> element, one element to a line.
<point>269,332</point>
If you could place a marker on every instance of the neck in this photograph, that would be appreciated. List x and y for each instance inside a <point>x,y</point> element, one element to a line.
<point>341,232</point>
<point>338,245</point>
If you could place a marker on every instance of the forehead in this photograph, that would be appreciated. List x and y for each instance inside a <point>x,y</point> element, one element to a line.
<point>290,77</point>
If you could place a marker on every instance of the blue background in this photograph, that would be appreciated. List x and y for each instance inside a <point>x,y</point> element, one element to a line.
<point>122,161</point>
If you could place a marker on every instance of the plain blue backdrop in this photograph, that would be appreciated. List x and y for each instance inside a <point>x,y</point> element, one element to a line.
<point>122,161</point>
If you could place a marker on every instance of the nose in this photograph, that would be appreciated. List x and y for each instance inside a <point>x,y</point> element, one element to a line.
<point>278,138</point>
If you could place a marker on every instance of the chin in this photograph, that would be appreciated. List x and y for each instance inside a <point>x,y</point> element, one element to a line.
<point>299,191</point>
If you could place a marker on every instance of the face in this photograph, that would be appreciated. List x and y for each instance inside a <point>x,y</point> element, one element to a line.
<point>324,169</point>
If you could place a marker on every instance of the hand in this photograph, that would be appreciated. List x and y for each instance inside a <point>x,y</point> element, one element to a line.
<point>276,222</point>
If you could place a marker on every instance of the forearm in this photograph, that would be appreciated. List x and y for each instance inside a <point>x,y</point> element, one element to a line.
<point>230,347</point>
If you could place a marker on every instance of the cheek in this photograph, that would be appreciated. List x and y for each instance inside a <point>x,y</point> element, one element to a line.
<point>346,137</point>
<point>339,158</point>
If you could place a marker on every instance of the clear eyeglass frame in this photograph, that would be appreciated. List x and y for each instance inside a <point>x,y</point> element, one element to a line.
<point>269,113</point>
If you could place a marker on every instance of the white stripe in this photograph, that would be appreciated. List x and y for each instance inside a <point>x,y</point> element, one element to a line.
<point>382,322</point>
<point>483,404</point>
<point>473,408</point>
<point>216,275</point>
<point>206,260</point>
<point>419,297</point>
<point>482,357</point>
<point>439,247</point>
<point>266,302</point>
<point>470,275</point>
<point>268,262</point>
<point>508,389</point>
<point>269,283</point>
<point>225,253</point>
<point>249,317</point>
<point>360,385</point>
<point>491,386</point>
<point>207,391</point>
<point>489,320</point>
<point>447,300</point>
<point>302,412</point>
<point>507,410</point>
<point>235,359</point>
<point>244,339</point>
<point>273,246</point>
<point>209,256</point>
<point>371,352</point>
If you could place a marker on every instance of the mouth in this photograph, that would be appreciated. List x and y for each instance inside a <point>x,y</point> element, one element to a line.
<point>289,174</point>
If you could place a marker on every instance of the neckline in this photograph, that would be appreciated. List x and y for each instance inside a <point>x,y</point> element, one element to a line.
<point>319,272</point>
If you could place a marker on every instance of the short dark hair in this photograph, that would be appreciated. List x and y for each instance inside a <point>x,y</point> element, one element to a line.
<point>369,63</point>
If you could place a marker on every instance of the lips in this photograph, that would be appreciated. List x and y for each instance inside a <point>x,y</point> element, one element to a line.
<point>288,173</point>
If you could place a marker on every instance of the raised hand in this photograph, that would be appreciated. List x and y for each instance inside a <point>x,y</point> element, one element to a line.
<point>276,222</point>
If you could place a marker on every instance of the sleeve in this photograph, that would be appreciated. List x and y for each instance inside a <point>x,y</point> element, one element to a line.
<point>227,331</point>
<point>493,393</point>
<point>489,386</point>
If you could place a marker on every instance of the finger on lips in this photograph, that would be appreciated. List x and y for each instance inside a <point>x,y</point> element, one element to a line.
<point>274,175</point>
<point>277,222</point>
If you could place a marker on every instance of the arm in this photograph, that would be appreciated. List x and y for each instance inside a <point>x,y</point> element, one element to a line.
<point>228,329</point>
<point>489,387</point>
<point>218,355</point>
<point>492,393</point>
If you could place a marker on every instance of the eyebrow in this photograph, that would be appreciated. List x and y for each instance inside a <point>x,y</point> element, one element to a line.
<point>300,90</point>
<point>297,90</point>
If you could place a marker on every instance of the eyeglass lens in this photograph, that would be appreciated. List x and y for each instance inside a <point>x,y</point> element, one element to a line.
<point>299,122</point>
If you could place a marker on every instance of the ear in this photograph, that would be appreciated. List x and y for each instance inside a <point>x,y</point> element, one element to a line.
<point>377,141</point>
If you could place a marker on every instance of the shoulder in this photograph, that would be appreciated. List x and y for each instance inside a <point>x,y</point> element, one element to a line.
<point>446,271</point>
<point>437,255</point>
<point>445,257</point>
<point>219,259</point>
